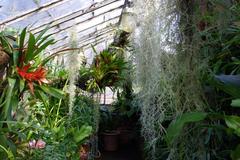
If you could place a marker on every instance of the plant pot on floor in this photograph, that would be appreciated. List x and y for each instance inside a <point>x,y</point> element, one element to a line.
<point>110,140</point>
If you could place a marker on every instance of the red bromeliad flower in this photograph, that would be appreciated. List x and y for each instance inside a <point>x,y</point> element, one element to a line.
<point>39,75</point>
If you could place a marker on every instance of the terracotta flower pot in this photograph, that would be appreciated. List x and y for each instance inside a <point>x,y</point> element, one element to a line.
<point>110,140</point>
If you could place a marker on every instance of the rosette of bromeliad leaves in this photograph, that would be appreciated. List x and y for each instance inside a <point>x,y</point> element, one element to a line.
<point>108,69</point>
<point>24,70</point>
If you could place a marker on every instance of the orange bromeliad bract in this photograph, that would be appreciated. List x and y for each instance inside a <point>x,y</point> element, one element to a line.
<point>39,75</point>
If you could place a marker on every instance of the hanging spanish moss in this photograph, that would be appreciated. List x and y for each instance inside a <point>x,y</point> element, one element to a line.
<point>73,64</point>
<point>168,68</point>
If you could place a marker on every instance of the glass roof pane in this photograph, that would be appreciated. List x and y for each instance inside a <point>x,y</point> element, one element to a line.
<point>69,7</point>
<point>11,8</point>
<point>92,20</point>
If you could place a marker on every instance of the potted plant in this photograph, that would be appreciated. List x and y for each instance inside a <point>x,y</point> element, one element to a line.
<point>86,111</point>
<point>128,112</point>
<point>109,125</point>
<point>107,70</point>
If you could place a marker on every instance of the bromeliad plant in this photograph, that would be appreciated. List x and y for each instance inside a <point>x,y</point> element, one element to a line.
<point>107,69</point>
<point>24,71</point>
<point>25,68</point>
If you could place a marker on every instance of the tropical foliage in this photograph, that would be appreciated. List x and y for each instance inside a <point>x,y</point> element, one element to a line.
<point>185,88</point>
<point>34,123</point>
<point>107,69</point>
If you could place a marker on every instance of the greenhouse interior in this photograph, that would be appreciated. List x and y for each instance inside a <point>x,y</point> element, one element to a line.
<point>119,80</point>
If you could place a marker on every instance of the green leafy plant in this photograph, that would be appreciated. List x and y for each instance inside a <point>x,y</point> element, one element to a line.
<point>226,84</point>
<point>175,128</point>
<point>82,133</point>
<point>62,133</point>
<point>109,119</point>
<point>86,112</point>
<point>24,73</point>
<point>10,155</point>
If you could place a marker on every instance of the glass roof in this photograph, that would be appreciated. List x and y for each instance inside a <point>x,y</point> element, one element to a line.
<point>92,20</point>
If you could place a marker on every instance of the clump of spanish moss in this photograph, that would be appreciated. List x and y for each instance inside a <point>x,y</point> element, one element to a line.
<point>168,70</point>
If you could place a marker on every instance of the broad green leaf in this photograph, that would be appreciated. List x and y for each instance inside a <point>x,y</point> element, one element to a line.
<point>53,91</point>
<point>5,44</point>
<point>14,102</point>
<point>10,155</point>
<point>43,97</point>
<point>228,84</point>
<point>19,53</point>
<point>235,155</point>
<point>22,38</point>
<point>12,149</point>
<point>7,106</point>
<point>44,46</point>
<point>42,33</point>
<point>43,40</point>
<point>29,135</point>
<point>233,122</point>
<point>3,149</point>
<point>84,132</point>
<point>235,103</point>
<point>2,98</point>
<point>15,58</point>
<point>229,89</point>
<point>21,85</point>
<point>176,127</point>
<point>8,152</point>
<point>30,48</point>
<point>3,140</point>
